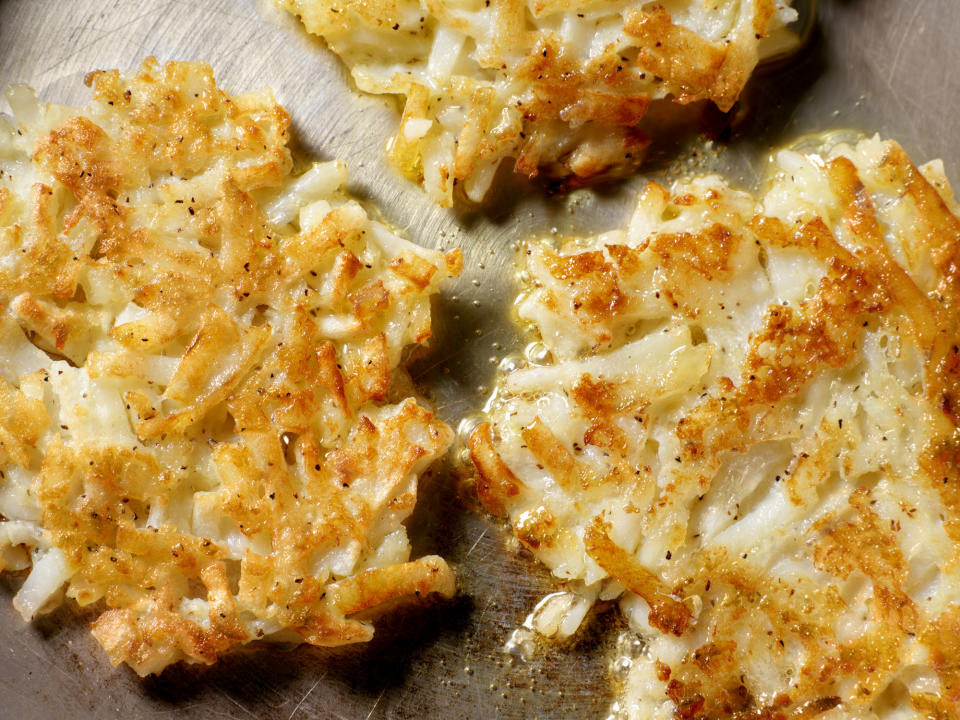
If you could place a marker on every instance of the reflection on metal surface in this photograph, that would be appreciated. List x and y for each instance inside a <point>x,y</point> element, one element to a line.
<point>873,65</point>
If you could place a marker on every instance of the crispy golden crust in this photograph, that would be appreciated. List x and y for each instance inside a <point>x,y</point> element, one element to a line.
<point>667,614</point>
<point>748,433</point>
<point>559,88</point>
<point>198,405</point>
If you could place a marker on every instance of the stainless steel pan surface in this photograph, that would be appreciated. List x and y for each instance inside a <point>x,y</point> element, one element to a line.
<point>884,66</point>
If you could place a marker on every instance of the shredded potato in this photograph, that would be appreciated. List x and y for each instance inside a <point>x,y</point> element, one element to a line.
<point>202,417</point>
<point>748,434</point>
<point>558,87</point>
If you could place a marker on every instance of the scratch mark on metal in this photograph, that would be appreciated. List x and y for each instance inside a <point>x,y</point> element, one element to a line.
<point>476,542</point>
<point>306,695</point>
<point>480,619</point>
<point>219,10</point>
<point>239,705</point>
<point>47,661</point>
<point>379,697</point>
<point>903,37</point>
<point>105,34</point>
